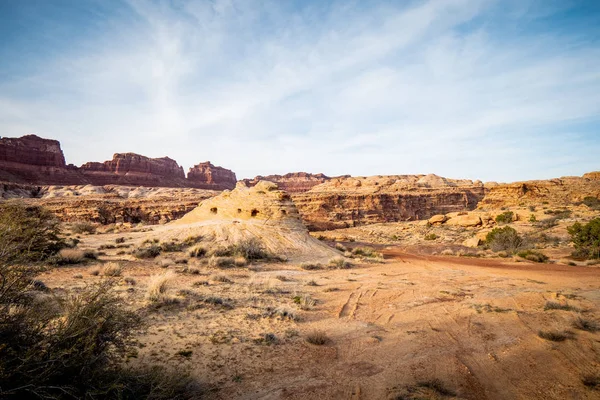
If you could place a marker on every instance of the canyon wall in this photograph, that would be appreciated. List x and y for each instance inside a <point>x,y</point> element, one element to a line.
<point>34,160</point>
<point>352,201</point>
<point>294,182</point>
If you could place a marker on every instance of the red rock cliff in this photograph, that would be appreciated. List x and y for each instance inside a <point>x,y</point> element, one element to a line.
<point>294,182</point>
<point>207,176</point>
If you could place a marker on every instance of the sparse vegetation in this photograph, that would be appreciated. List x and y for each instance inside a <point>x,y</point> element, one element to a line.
<point>591,381</point>
<point>533,255</point>
<point>592,202</point>
<point>310,266</point>
<point>318,338</point>
<point>554,305</point>
<point>505,218</point>
<point>586,239</point>
<point>431,236</point>
<point>585,324</point>
<point>147,251</point>
<point>504,239</point>
<point>198,252</point>
<point>158,287</point>
<point>221,262</point>
<point>339,262</point>
<point>366,252</point>
<point>555,335</point>
<point>83,227</point>
<point>112,269</point>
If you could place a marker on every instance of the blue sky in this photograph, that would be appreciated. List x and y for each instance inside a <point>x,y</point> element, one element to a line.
<point>498,90</point>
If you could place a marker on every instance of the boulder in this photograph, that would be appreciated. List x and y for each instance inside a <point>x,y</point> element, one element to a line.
<point>472,242</point>
<point>438,219</point>
<point>469,220</point>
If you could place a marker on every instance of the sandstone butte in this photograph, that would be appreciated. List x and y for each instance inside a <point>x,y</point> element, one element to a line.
<point>37,161</point>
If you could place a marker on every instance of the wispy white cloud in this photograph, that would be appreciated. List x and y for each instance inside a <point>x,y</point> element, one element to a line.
<point>455,87</point>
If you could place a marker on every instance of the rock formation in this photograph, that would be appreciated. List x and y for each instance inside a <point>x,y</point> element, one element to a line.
<point>207,176</point>
<point>563,191</point>
<point>294,182</point>
<point>351,201</point>
<point>261,212</point>
<point>33,160</point>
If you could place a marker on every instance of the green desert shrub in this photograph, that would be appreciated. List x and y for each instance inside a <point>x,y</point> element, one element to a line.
<point>27,234</point>
<point>504,239</point>
<point>147,251</point>
<point>83,227</point>
<point>533,255</point>
<point>505,218</point>
<point>592,202</point>
<point>586,238</point>
<point>431,236</point>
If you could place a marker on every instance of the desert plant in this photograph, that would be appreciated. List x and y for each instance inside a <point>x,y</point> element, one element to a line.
<point>68,256</point>
<point>341,247</point>
<point>251,249</point>
<point>505,218</point>
<point>240,261</point>
<point>586,238</point>
<point>431,236</point>
<point>585,324</point>
<point>533,255</point>
<point>318,338</point>
<point>221,262</point>
<point>366,252</point>
<point>532,218</point>
<point>554,305</point>
<point>73,351</point>
<point>158,287</point>
<point>592,202</point>
<point>120,240</point>
<point>555,336</point>
<point>310,266</point>
<point>27,234</point>
<point>112,269</point>
<point>504,239</point>
<point>220,278</point>
<point>83,227</point>
<point>339,262</point>
<point>146,251</point>
<point>171,247</point>
<point>592,381</point>
<point>198,252</point>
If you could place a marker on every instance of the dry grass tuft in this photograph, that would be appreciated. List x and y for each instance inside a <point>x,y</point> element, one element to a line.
<point>240,261</point>
<point>340,263</point>
<point>158,287</point>
<point>112,269</point>
<point>310,266</point>
<point>555,336</point>
<point>554,305</point>
<point>585,324</point>
<point>221,262</point>
<point>318,338</point>
<point>220,278</point>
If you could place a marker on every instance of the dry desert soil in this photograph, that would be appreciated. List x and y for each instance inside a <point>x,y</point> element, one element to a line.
<point>406,327</point>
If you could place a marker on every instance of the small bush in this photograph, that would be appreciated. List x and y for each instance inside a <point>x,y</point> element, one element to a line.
<point>532,218</point>
<point>431,236</point>
<point>220,278</point>
<point>198,252</point>
<point>83,227</point>
<point>447,252</point>
<point>318,338</point>
<point>305,302</point>
<point>251,249</point>
<point>112,269</point>
<point>171,247</point>
<point>586,238</point>
<point>366,252</point>
<point>151,251</point>
<point>555,336</point>
<point>591,381</point>
<point>340,263</point>
<point>158,287</point>
<point>504,239</point>
<point>505,218</point>
<point>120,240</point>
<point>585,324</point>
<point>554,305</point>
<point>69,256</point>
<point>341,247</point>
<point>310,266</point>
<point>221,262</point>
<point>534,256</point>
<point>592,202</point>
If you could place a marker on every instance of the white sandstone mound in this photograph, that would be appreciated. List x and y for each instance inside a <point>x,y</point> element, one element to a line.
<point>262,212</point>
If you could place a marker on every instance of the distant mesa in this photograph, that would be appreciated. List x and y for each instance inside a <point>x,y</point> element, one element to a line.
<point>294,182</point>
<point>34,160</point>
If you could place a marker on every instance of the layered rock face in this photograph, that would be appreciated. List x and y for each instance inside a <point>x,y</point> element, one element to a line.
<point>352,201</point>
<point>563,191</point>
<point>134,169</point>
<point>36,161</point>
<point>205,175</point>
<point>294,182</point>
